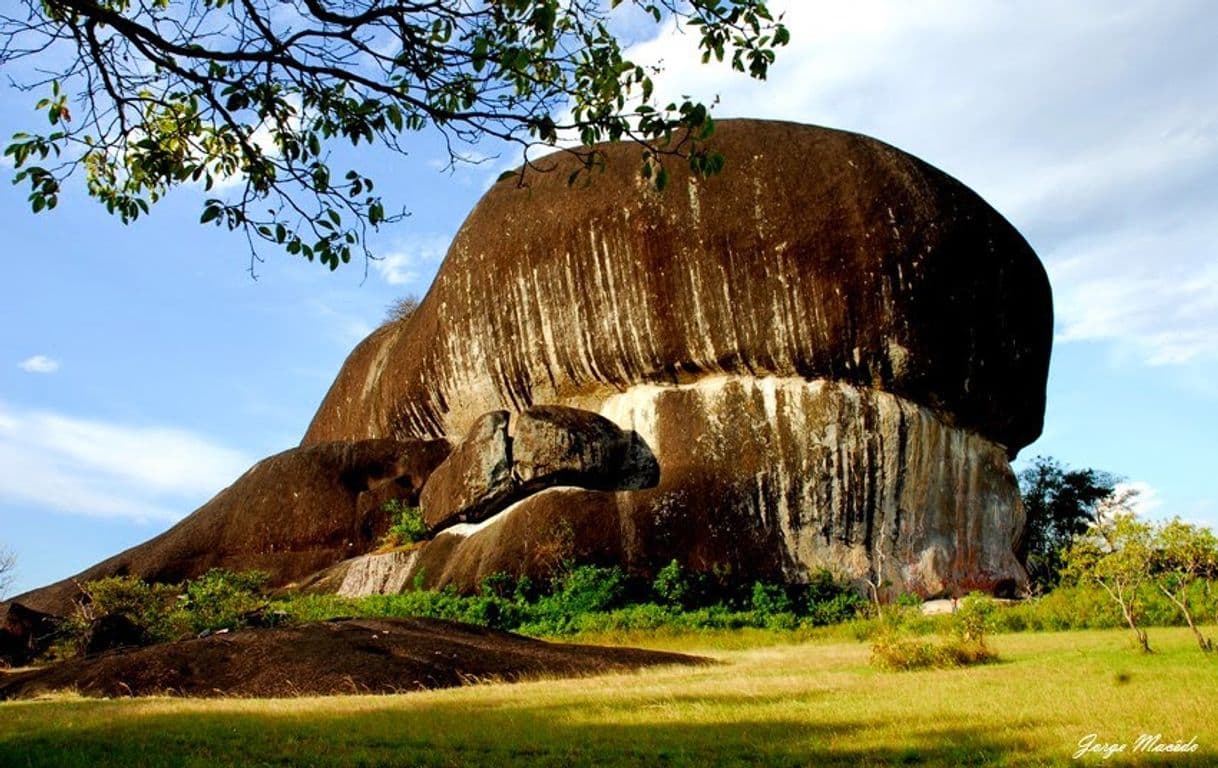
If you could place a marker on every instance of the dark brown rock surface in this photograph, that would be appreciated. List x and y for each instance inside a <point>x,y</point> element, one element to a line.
<point>817,253</point>
<point>504,459</point>
<point>475,479</point>
<point>24,634</point>
<point>556,445</point>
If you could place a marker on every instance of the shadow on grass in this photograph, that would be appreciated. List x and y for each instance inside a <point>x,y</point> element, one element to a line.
<point>667,731</point>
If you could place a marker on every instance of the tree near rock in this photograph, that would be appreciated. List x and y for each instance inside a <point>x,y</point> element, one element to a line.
<point>1117,552</point>
<point>1184,555</point>
<point>400,309</point>
<point>263,94</point>
<point>1059,503</point>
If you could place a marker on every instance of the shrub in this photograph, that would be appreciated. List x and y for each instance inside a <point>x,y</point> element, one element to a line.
<point>222,599</point>
<point>672,585</point>
<point>219,599</point>
<point>400,309</point>
<point>770,599</point>
<point>825,599</point>
<point>406,524</point>
<point>895,651</point>
<point>975,617</point>
<point>836,610</point>
<point>575,593</point>
<point>589,588</point>
<point>152,608</point>
<point>909,600</point>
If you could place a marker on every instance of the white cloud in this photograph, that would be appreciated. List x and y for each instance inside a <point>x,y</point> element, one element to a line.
<point>413,261</point>
<point>1144,500</point>
<point>1140,497</point>
<point>1082,122</point>
<point>348,329</point>
<point>39,364</point>
<point>1132,287</point>
<point>102,469</point>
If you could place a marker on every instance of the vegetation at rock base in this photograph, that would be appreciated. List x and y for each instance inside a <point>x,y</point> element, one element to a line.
<point>605,604</point>
<point>263,96</point>
<point>406,524</point>
<point>596,600</point>
<point>155,613</point>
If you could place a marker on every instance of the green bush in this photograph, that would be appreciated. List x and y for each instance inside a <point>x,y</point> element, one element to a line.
<point>154,608</point>
<point>975,617</point>
<point>770,599</point>
<point>909,600</point>
<point>577,592</point>
<point>672,585</point>
<point>222,599</point>
<point>895,651</point>
<point>406,524</point>
<point>219,599</point>
<point>589,588</point>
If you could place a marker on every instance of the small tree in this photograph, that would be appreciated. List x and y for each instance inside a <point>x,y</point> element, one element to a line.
<point>671,585</point>
<point>406,525</point>
<point>1117,553</point>
<point>401,309</point>
<point>1184,554</point>
<point>8,564</point>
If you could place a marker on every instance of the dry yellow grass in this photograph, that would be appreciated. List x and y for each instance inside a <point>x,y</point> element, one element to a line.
<point>816,703</point>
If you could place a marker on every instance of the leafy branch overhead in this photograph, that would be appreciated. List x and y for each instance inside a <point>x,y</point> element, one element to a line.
<point>258,96</point>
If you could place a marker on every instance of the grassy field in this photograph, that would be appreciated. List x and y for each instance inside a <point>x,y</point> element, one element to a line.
<point>781,704</point>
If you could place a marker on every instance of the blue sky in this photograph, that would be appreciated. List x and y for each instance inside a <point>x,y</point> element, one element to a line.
<point>142,369</point>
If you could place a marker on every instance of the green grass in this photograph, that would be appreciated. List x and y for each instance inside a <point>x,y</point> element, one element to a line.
<point>816,702</point>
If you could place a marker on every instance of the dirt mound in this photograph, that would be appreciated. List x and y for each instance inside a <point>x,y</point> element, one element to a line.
<point>334,657</point>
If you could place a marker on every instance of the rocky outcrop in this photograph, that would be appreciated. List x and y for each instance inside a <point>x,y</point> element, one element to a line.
<point>772,478</point>
<point>548,446</point>
<point>25,634</point>
<point>376,574</point>
<point>832,350</point>
<point>340,657</point>
<point>555,445</point>
<point>290,515</point>
<point>823,357</point>
<point>475,479</point>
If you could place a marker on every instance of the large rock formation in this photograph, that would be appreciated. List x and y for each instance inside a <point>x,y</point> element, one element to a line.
<point>830,351</point>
